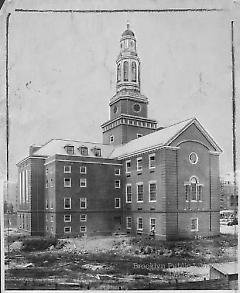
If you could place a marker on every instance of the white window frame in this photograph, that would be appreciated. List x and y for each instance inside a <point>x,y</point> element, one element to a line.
<point>64,204</point>
<point>70,218</point>
<point>138,184</point>
<point>189,157</point>
<point>149,163</point>
<point>127,171</point>
<point>65,169</point>
<point>138,160</point>
<point>85,219</point>
<point>150,223</point>
<point>111,138</point>
<point>83,199</point>
<point>46,184</point>
<point>119,201</point>
<point>46,204</point>
<point>117,172</point>
<point>85,230</point>
<point>51,218</point>
<point>127,223</point>
<point>189,191</point>
<point>139,229</point>
<point>194,230</point>
<point>85,170</point>
<point>83,180</point>
<point>199,185</point>
<point>51,204</point>
<point>67,227</point>
<point>149,183</point>
<point>64,182</point>
<point>117,184</point>
<point>127,185</point>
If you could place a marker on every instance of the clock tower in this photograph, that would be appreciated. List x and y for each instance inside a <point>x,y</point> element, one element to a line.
<point>128,107</point>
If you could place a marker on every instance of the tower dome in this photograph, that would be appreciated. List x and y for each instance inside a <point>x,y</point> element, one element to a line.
<point>128,32</point>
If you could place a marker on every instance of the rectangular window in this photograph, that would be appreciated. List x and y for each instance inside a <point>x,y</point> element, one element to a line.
<point>67,229</point>
<point>51,219</point>
<point>117,172</point>
<point>83,218</point>
<point>117,184</point>
<point>194,224</point>
<point>83,202</point>
<point>187,192</point>
<point>83,170</point>
<point>83,151</point>
<point>67,203</point>
<point>83,229</point>
<point>139,164</point>
<point>46,204</point>
<point>97,152</point>
<point>51,204</point>
<point>199,192</point>
<point>51,182</point>
<point>46,171</point>
<point>46,184</point>
<point>152,224</point>
<point>139,223</point>
<point>128,166</point>
<point>52,229</point>
<point>67,169</point>
<point>128,222</point>
<point>83,182</point>
<point>67,182</point>
<point>139,192</point>
<point>152,161</point>
<point>128,193</point>
<point>152,191</point>
<point>117,203</point>
<point>67,218</point>
<point>69,149</point>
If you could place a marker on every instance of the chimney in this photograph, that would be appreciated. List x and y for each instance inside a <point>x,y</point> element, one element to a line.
<point>33,148</point>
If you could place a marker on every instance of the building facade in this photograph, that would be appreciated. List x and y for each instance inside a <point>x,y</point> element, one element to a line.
<point>142,179</point>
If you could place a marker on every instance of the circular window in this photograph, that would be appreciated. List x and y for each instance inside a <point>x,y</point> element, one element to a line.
<point>115,109</point>
<point>193,158</point>
<point>137,107</point>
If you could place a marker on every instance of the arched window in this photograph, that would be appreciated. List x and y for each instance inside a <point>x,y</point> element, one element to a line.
<point>134,71</point>
<point>125,71</point>
<point>119,72</point>
<point>193,188</point>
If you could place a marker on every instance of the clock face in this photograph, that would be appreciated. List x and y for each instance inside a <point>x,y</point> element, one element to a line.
<point>137,107</point>
<point>115,109</point>
<point>193,158</point>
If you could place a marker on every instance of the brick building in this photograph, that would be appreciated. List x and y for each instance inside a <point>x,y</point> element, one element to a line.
<point>142,178</point>
<point>228,193</point>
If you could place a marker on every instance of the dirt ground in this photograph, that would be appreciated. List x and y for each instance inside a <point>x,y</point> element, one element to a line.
<point>113,262</point>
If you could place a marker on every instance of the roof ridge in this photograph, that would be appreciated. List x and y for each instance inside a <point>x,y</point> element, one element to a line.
<point>75,140</point>
<point>189,119</point>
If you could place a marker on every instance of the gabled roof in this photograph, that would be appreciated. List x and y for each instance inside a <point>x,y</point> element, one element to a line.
<point>56,146</point>
<point>160,138</point>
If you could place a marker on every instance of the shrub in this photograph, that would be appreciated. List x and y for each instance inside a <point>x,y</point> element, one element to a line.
<point>38,244</point>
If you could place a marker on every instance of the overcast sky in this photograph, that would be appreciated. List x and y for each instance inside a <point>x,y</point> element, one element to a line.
<point>63,73</point>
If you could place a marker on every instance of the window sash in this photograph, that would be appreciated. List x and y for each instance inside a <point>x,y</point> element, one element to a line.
<point>83,170</point>
<point>117,203</point>
<point>67,203</point>
<point>139,164</point>
<point>83,218</point>
<point>83,182</point>
<point>83,229</point>
<point>128,222</point>
<point>152,191</point>
<point>67,169</point>
<point>140,192</point>
<point>140,224</point>
<point>83,203</point>
<point>129,193</point>
<point>68,229</point>
<point>128,166</point>
<point>152,161</point>
<point>117,184</point>
<point>194,224</point>
<point>67,218</point>
<point>67,182</point>
<point>152,223</point>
